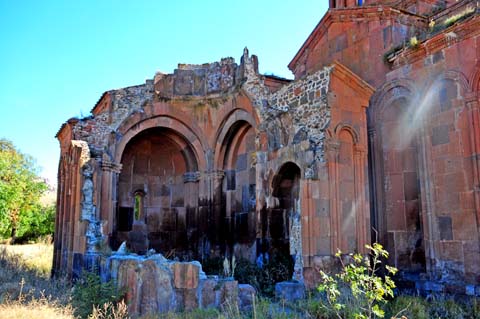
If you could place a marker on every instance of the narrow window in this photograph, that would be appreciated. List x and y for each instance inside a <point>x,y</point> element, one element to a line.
<point>138,205</point>
<point>359,2</point>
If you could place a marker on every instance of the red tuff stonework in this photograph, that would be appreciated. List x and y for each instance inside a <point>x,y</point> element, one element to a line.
<point>376,139</point>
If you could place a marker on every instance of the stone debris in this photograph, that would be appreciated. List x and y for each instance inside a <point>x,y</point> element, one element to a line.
<point>154,284</point>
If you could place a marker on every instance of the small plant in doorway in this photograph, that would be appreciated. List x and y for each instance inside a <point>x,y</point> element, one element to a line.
<point>229,267</point>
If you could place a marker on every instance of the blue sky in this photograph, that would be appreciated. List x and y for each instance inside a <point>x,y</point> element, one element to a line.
<point>58,57</point>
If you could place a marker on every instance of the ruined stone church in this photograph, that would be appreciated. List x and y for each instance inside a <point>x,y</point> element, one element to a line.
<point>377,138</point>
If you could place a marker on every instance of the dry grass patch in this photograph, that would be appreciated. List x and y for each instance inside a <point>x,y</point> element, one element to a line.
<point>35,257</point>
<point>26,290</point>
<point>42,308</point>
<point>21,278</point>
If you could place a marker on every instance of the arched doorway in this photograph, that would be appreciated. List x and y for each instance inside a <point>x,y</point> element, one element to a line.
<point>282,225</point>
<point>158,188</point>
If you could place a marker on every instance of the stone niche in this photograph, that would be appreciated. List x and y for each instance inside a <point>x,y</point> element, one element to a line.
<point>154,284</point>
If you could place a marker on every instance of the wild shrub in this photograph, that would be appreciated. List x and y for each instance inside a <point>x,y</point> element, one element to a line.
<point>89,292</point>
<point>110,310</point>
<point>358,290</point>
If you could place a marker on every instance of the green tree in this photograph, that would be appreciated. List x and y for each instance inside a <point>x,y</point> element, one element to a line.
<point>36,222</point>
<point>20,188</point>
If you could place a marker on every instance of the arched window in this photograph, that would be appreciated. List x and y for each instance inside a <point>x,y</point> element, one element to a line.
<point>138,205</point>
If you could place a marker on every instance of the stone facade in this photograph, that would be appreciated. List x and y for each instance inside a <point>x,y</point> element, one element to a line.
<point>377,138</point>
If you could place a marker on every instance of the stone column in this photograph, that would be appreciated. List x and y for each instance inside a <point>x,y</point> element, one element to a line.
<point>296,240</point>
<point>376,187</point>
<point>474,121</point>
<point>333,148</point>
<point>361,204</point>
<point>215,217</point>
<point>108,204</point>
<point>195,200</point>
<point>430,230</point>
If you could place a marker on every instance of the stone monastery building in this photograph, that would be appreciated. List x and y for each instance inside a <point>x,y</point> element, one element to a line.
<point>376,139</point>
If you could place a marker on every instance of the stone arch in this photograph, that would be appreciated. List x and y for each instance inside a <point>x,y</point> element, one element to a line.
<point>474,82</point>
<point>193,138</point>
<point>342,127</point>
<point>390,91</point>
<point>459,77</point>
<point>233,121</point>
<point>236,194</point>
<point>450,85</point>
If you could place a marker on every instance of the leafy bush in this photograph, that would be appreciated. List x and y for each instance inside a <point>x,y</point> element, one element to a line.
<point>358,291</point>
<point>89,292</point>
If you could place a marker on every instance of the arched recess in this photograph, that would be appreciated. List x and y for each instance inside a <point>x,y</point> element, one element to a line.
<point>394,136</point>
<point>474,82</point>
<point>225,131</point>
<point>235,207</point>
<point>192,136</point>
<point>160,172</point>
<point>281,224</point>
<point>450,141</point>
<point>349,203</point>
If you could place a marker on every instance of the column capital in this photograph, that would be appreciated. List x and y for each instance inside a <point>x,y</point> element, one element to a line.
<point>110,166</point>
<point>332,145</point>
<point>191,177</point>
<point>472,103</point>
<point>359,149</point>
<point>218,174</point>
